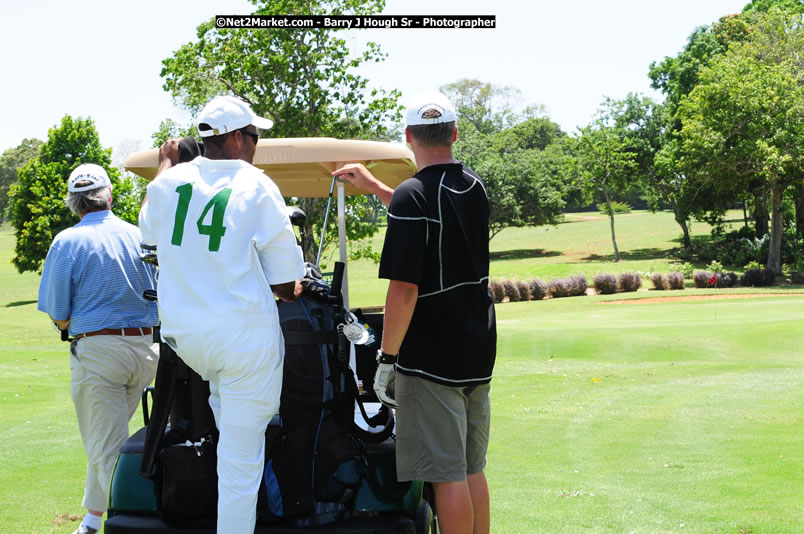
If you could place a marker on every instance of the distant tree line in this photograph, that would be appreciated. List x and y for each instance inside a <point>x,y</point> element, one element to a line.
<point>729,132</point>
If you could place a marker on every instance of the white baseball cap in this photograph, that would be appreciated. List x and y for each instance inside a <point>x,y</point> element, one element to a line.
<point>226,114</point>
<point>94,174</point>
<point>429,101</point>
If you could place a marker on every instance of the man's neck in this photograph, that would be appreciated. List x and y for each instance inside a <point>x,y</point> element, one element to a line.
<point>81,217</point>
<point>432,156</point>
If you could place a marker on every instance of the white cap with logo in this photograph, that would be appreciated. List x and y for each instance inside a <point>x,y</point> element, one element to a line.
<point>88,172</point>
<point>430,107</point>
<point>226,114</point>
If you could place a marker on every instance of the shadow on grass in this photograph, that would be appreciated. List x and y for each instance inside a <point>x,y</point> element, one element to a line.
<point>20,303</point>
<point>636,254</point>
<point>521,254</point>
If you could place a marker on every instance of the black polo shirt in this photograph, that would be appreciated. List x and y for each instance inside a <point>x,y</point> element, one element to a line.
<point>438,239</point>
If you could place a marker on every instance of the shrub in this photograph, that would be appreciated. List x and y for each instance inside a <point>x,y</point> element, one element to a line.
<point>758,278</point>
<point>797,277</point>
<point>659,281</point>
<point>715,267</point>
<point>578,285</point>
<point>618,207</point>
<point>703,279</point>
<point>630,282</point>
<point>538,289</point>
<point>605,284</point>
<point>686,269</point>
<point>675,280</point>
<point>558,288</point>
<point>497,290</point>
<point>726,279</point>
<point>753,265</point>
<point>510,290</point>
<point>524,290</point>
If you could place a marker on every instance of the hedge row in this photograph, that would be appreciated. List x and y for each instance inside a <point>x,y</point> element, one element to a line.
<point>673,280</point>
<point>606,284</point>
<point>537,289</point>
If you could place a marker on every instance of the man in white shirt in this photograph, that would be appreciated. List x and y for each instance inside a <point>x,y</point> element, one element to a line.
<point>225,244</point>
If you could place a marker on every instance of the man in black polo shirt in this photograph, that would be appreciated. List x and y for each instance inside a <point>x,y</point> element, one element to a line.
<point>439,318</point>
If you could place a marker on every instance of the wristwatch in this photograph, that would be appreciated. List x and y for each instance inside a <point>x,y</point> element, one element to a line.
<point>384,357</point>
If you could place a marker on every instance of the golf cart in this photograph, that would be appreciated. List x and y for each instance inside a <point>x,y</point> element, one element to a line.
<point>142,500</point>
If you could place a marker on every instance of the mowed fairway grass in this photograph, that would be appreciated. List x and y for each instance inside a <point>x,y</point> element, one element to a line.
<point>643,416</point>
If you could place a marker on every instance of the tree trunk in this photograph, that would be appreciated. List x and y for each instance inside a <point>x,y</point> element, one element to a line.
<point>309,249</point>
<point>761,213</point>
<point>682,222</point>
<point>745,215</point>
<point>798,201</point>
<point>611,219</point>
<point>777,230</point>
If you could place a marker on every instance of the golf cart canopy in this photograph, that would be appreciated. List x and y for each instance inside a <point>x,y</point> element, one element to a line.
<point>301,167</point>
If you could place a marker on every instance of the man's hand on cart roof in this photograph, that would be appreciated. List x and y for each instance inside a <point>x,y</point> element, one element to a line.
<point>168,155</point>
<point>359,176</point>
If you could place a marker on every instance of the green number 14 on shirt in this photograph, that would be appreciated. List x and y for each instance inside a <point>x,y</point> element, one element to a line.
<point>215,230</point>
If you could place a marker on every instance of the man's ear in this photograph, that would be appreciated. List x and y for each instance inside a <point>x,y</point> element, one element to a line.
<point>407,135</point>
<point>455,133</point>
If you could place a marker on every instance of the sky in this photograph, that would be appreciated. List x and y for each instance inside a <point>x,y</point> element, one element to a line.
<point>101,59</point>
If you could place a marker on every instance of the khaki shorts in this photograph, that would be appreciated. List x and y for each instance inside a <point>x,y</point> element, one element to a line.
<point>442,431</point>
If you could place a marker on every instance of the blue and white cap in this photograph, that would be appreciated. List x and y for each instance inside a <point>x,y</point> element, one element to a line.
<point>88,172</point>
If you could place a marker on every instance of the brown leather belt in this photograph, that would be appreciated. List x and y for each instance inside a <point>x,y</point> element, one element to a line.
<point>118,332</point>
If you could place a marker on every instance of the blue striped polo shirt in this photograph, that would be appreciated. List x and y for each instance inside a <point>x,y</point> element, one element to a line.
<point>93,275</point>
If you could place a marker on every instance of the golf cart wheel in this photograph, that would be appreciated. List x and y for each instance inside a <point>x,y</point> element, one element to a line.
<point>426,520</point>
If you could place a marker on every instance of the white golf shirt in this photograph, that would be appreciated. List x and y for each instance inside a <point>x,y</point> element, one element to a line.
<point>223,237</point>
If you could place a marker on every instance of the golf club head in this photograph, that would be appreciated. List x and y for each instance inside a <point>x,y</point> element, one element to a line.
<point>297,216</point>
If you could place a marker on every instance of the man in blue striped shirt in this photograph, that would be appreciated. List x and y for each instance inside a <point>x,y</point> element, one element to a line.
<point>92,285</point>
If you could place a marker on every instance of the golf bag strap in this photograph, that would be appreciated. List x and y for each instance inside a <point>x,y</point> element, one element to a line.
<point>344,408</point>
<point>183,422</point>
<point>164,390</point>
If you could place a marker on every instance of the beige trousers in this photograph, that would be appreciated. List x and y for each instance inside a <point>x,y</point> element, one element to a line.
<point>108,374</point>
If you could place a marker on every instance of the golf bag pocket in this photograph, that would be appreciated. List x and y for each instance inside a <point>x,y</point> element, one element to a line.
<point>336,463</point>
<point>189,480</point>
<point>311,472</point>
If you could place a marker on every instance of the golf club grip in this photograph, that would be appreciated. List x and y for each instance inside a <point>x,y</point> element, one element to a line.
<point>337,279</point>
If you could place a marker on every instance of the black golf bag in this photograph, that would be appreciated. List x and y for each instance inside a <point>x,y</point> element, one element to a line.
<point>316,454</point>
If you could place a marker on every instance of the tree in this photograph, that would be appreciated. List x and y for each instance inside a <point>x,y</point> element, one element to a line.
<point>488,107</point>
<point>743,124</point>
<point>305,80</point>
<point>607,165</point>
<point>525,187</point>
<point>646,128</point>
<point>36,201</point>
<point>677,76</point>
<point>10,162</point>
<point>522,156</point>
<point>763,6</point>
<point>169,129</point>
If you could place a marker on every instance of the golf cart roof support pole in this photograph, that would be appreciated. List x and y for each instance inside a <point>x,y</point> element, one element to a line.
<point>342,241</point>
<point>345,285</point>
<point>324,228</point>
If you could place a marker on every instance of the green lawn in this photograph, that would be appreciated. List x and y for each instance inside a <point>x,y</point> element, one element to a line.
<point>649,417</point>
<point>674,416</point>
